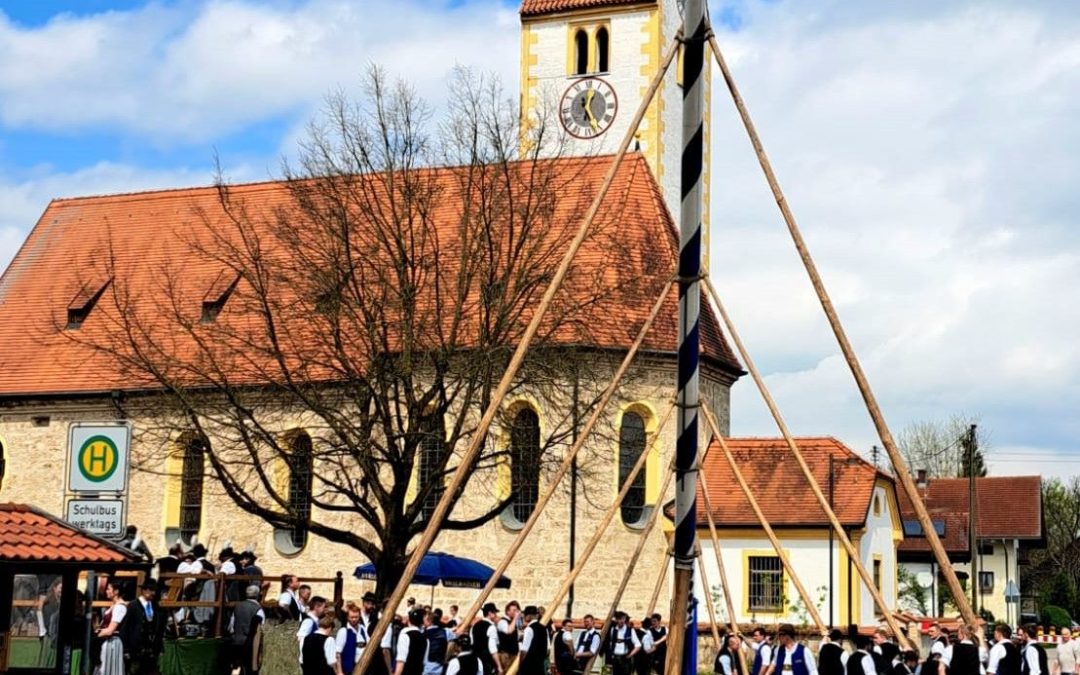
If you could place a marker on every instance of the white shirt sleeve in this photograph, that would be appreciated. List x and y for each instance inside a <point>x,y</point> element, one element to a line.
<point>339,641</point>
<point>868,665</point>
<point>725,664</point>
<point>403,646</point>
<point>493,640</point>
<point>634,640</point>
<point>946,655</point>
<point>1032,657</point>
<point>118,613</point>
<point>844,656</point>
<point>646,642</point>
<point>996,654</point>
<point>766,655</point>
<point>937,648</point>
<point>330,652</point>
<point>811,665</point>
<point>526,641</point>
<point>307,627</point>
<point>454,667</point>
<point>284,600</point>
<point>387,637</point>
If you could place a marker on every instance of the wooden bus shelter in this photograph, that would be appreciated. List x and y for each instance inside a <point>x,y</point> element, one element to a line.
<point>42,615</point>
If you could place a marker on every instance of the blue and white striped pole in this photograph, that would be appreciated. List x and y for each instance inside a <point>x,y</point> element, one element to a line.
<point>686,451</point>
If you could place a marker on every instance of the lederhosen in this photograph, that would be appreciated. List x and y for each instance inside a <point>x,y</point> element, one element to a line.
<point>621,664</point>
<point>481,648</point>
<point>564,653</point>
<point>314,656</point>
<point>532,662</point>
<point>830,659</point>
<point>585,641</point>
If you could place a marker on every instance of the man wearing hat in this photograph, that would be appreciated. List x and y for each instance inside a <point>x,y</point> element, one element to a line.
<point>465,663</point>
<point>141,632</point>
<point>534,644</point>
<point>623,645</point>
<point>792,658</point>
<point>862,661</point>
<point>485,639</point>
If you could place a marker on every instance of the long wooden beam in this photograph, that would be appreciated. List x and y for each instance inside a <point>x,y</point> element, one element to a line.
<point>899,466</point>
<point>756,508</point>
<point>823,502</point>
<point>567,463</point>
<point>660,574</point>
<point>704,579</point>
<point>732,619</point>
<point>472,451</point>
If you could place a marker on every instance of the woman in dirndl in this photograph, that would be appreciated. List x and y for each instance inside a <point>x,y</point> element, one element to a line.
<point>112,649</point>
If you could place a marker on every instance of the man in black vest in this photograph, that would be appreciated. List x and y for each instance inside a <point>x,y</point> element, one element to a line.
<point>1004,655</point>
<point>508,635</point>
<point>909,661</point>
<point>861,662</point>
<point>659,639</point>
<point>564,648</point>
<point>485,640</point>
<point>643,659</point>
<point>623,645</point>
<point>964,657</point>
<point>465,663</point>
<point>534,644</point>
<point>438,637</point>
<point>831,655</point>
<point>318,650</point>
<point>1033,659</point>
<point>412,646</point>
<point>884,652</point>
<point>588,643</point>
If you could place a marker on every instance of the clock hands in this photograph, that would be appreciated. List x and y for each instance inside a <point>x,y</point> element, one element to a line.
<point>588,110</point>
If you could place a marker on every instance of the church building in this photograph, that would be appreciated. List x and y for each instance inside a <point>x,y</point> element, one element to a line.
<point>89,260</point>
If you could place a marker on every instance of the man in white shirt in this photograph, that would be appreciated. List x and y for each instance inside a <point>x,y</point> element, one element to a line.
<point>1065,660</point>
<point>588,643</point>
<point>759,642</point>
<point>412,650</point>
<point>1033,659</point>
<point>289,601</point>
<point>624,645</point>
<point>350,642</point>
<point>310,623</point>
<point>791,657</point>
<point>862,661</point>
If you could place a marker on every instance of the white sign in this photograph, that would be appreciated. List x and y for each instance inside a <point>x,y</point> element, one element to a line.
<point>98,458</point>
<point>103,517</point>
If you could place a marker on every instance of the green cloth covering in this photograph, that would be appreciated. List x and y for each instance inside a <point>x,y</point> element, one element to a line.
<point>207,656</point>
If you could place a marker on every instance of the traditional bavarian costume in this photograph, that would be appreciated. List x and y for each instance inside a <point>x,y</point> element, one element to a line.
<point>796,661</point>
<point>763,654</point>
<point>465,663</point>
<point>485,644</point>
<point>861,663</point>
<point>534,649</point>
<point>350,644</point>
<point>623,642</point>
<point>318,654</point>
<point>588,646</point>
<point>1033,660</point>
<point>1004,659</point>
<point>412,649</point>
<point>564,650</point>
<point>831,659</point>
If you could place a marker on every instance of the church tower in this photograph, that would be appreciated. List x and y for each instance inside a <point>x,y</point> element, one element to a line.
<point>590,62</point>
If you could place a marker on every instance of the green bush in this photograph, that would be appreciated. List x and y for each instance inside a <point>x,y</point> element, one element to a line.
<point>1055,616</point>
<point>280,650</point>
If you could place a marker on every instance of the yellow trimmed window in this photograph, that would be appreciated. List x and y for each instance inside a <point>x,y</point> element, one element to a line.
<point>185,476</point>
<point>293,478</point>
<point>589,49</point>
<point>524,466</point>
<point>633,440</point>
<point>764,584</point>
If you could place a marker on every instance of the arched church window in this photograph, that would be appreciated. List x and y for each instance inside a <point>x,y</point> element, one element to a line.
<point>602,50</point>
<point>524,464</point>
<point>191,485</point>
<point>581,52</point>
<point>294,483</point>
<point>430,470</point>
<point>631,444</point>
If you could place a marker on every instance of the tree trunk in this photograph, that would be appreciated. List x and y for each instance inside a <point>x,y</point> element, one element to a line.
<point>390,566</point>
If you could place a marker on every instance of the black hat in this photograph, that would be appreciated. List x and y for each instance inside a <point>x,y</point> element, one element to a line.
<point>369,597</point>
<point>198,550</point>
<point>249,555</point>
<point>226,553</point>
<point>464,642</point>
<point>488,608</point>
<point>531,610</point>
<point>416,617</point>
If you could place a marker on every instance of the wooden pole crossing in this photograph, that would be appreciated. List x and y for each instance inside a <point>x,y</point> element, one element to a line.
<point>756,508</point>
<point>707,592</point>
<point>609,515</point>
<point>660,574</point>
<point>567,463</point>
<point>472,451</point>
<point>823,501</point>
<point>732,619</point>
<point>899,467</point>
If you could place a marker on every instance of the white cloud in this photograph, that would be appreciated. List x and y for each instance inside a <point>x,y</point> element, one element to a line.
<point>930,153</point>
<point>169,74</point>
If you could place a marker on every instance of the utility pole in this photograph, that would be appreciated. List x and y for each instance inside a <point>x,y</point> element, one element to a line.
<point>682,647</point>
<point>973,517</point>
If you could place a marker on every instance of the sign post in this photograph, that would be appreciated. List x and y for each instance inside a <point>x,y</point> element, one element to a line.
<point>98,467</point>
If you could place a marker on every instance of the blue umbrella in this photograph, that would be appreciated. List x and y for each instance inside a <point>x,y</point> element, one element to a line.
<point>449,570</point>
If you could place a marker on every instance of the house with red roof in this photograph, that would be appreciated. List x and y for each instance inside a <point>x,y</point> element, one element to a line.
<point>864,499</point>
<point>1009,523</point>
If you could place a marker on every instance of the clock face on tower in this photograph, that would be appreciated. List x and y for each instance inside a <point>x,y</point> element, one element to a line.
<point>588,107</point>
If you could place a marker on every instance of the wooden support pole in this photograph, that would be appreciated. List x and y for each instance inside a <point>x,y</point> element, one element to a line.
<point>714,624</point>
<point>899,467</point>
<point>609,515</point>
<point>732,620</point>
<point>756,508</point>
<point>472,451</point>
<point>632,563</point>
<point>660,574</point>
<point>823,501</point>
<point>567,463</point>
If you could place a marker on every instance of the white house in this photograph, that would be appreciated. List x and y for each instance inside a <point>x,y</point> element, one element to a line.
<point>864,500</point>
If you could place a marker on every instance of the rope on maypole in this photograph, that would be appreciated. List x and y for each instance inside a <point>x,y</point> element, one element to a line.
<point>682,652</point>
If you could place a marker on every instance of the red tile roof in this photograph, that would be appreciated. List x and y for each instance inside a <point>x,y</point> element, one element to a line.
<point>780,487</point>
<point>1009,507</point>
<point>30,535</point>
<point>540,7</point>
<point>632,251</point>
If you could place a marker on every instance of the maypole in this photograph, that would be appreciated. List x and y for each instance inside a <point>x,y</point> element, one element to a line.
<point>683,647</point>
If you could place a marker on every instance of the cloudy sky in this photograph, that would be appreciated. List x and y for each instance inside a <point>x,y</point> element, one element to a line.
<point>930,151</point>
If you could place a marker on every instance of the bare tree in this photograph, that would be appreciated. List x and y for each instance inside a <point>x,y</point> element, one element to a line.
<point>941,447</point>
<point>360,313</point>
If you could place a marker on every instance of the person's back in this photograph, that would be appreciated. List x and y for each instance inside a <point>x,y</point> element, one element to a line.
<point>314,651</point>
<point>1010,663</point>
<point>437,642</point>
<point>532,660</point>
<point>415,655</point>
<point>965,659</point>
<point>831,659</point>
<point>243,615</point>
<point>857,664</point>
